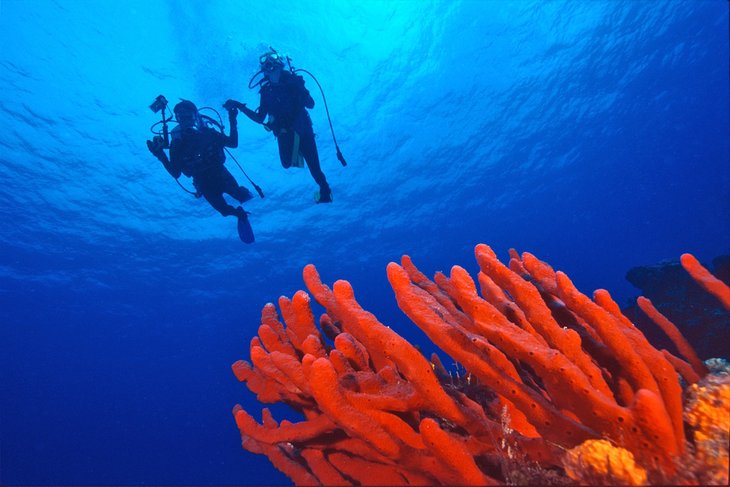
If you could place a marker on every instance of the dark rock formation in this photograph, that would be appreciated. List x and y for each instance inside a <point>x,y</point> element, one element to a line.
<point>698,315</point>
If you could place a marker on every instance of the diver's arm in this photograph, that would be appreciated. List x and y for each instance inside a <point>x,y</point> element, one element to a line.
<point>173,165</point>
<point>304,95</point>
<point>308,100</point>
<point>155,147</point>
<point>232,139</point>
<point>173,169</point>
<point>257,116</point>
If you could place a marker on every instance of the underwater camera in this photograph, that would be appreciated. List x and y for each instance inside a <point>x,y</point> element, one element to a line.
<point>159,104</point>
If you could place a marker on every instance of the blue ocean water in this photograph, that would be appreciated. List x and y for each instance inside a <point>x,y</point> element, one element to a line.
<point>593,134</point>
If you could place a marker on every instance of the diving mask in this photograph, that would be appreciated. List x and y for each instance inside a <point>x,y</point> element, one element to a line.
<point>186,115</point>
<point>270,61</point>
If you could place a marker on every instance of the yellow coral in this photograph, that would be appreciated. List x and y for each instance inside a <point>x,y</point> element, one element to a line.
<point>598,462</point>
<point>708,413</point>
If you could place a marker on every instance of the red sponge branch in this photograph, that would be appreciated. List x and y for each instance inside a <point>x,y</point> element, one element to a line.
<point>703,277</point>
<point>542,368</point>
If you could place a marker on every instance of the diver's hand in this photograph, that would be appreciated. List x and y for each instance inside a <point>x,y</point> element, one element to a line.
<point>233,104</point>
<point>156,145</point>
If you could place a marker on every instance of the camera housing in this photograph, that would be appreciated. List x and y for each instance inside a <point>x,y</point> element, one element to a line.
<point>159,103</point>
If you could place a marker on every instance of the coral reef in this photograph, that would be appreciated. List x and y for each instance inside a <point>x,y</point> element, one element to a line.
<point>708,415</point>
<point>557,387</point>
<point>598,462</point>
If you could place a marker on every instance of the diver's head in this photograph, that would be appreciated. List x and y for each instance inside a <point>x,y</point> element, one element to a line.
<point>186,114</point>
<point>272,63</point>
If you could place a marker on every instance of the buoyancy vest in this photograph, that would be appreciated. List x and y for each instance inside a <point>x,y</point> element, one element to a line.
<point>197,150</point>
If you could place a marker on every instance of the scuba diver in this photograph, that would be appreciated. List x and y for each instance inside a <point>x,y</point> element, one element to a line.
<point>285,100</point>
<point>197,151</point>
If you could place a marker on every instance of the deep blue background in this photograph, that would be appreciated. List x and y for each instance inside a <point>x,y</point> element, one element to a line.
<point>593,134</point>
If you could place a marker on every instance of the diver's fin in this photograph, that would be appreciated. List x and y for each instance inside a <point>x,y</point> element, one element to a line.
<point>244,194</point>
<point>318,198</point>
<point>245,232</point>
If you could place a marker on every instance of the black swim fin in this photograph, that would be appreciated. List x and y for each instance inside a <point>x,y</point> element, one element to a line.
<point>322,198</point>
<point>245,232</point>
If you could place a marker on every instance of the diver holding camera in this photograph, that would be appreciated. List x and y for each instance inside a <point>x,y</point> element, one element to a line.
<point>198,151</point>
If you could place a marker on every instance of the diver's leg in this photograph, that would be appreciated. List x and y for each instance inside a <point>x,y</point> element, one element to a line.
<point>308,147</point>
<point>217,201</point>
<point>231,187</point>
<point>286,145</point>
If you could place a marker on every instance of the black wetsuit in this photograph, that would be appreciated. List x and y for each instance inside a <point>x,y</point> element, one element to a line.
<point>286,102</point>
<point>199,154</point>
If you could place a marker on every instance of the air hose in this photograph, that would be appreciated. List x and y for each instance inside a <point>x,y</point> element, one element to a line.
<point>334,139</point>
